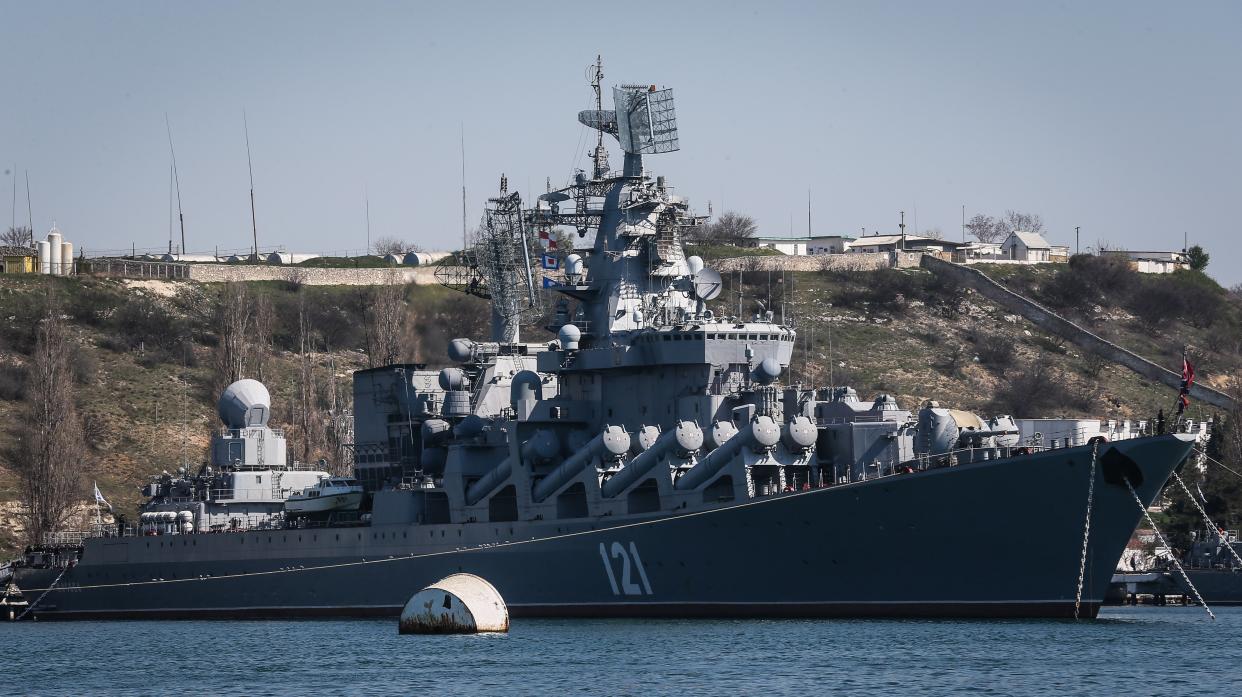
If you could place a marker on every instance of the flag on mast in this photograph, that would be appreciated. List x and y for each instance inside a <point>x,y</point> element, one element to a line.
<point>1188,379</point>
<point>99,497</point>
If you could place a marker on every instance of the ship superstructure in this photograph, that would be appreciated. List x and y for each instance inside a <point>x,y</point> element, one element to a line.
<point>244,484</point>
<point>646,459</point>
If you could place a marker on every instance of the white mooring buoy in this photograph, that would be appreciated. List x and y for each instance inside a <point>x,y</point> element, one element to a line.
<point>457,604</point>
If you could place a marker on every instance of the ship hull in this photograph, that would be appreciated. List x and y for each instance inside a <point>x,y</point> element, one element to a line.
<point>1001,538</point>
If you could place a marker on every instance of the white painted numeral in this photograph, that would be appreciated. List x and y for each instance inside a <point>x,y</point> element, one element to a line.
<point>629,561</point>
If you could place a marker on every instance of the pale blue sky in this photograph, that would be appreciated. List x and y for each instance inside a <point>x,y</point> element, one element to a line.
<point>1120,117</point>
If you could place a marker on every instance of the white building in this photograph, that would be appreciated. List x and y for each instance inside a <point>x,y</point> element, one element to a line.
<point>829,244</point>
<point>892,243</point>
<point>1153,262</point>
<point>1032,248</point>
<point>794,246</point>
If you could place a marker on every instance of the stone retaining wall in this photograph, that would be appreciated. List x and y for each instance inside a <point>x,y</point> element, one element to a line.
<point>1051,321</point>
<point>313,276</point>
<point>820,262</point>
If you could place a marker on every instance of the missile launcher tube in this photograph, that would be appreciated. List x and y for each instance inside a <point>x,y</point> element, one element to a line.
<point>686,438</point>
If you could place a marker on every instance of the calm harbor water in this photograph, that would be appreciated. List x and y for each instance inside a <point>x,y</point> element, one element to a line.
<point>1136,651</point>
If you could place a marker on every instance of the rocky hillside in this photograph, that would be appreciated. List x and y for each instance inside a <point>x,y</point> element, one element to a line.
<point>147,363</point>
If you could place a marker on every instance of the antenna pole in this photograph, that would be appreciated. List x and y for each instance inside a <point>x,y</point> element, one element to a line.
<point>170,207</point>
<point>463,187</point>
<point>254,226</point>
<point>599,158</point>
<point>29,214</point>
<point>963,223</point>
<point>176,179</point>
<point>14,223</point>
<point>367,200</point>
<point>808,212</point>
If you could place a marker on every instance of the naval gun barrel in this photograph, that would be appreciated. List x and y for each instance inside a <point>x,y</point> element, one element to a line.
<point>614,442</point>
<point>686,438</point>
<point>763,432</point>
<point>542,446</point>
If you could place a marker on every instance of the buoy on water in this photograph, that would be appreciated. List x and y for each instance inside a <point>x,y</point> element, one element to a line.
<point>457,604</point>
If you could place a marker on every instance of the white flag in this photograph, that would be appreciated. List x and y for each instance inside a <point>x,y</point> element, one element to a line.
<point>99,498</point>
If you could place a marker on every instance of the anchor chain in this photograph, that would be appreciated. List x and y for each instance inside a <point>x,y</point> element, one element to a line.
<point>1086,530</point>
<point>1206,519</point>
<point>43,594</point>
<point>1160,535</point>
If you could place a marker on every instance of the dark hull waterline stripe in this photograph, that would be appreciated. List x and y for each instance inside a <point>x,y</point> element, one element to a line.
<point>672,610</point>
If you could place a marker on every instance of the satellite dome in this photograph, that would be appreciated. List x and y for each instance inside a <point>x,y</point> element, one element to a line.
<point>768,370</point>
<point>460,350</point>
<point>569,336</point>
<point>695,264</point>
<point>245,403</point>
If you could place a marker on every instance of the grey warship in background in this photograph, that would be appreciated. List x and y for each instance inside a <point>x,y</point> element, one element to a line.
<point>646,462</point>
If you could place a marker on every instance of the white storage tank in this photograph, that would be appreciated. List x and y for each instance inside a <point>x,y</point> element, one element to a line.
<point>53,243</point>
<point>285,258</point>
<point>45,256</point>
<point>66,258</point>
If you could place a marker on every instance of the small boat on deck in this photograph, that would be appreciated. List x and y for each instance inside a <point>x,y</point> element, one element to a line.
<point>329,495</point>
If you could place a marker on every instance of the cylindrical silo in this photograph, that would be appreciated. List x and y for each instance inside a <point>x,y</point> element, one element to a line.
<point>45,256</point>
<point>53,245</point>
<point>66,258</point>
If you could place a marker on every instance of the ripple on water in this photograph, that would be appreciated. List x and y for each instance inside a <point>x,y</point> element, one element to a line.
<point>1127,649</point>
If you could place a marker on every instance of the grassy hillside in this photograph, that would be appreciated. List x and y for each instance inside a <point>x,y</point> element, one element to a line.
<point>145,374</point>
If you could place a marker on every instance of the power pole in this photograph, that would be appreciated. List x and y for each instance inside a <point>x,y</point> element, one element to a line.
<point>1077,244</point>
<point>903,231</point>
<point>808,212</point>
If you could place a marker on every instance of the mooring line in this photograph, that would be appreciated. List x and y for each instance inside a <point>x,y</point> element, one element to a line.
<point>1176,563</point>
<point>1086,531</point>
<point>44,594</point>
<point>1206,519</point>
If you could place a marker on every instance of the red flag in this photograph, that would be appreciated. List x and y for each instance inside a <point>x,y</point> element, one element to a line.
<point>1188,373</point>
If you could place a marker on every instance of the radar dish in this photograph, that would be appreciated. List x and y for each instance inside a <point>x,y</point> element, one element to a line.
<point>646,120</point>
<point>555,196</point>
<point>599,119</point>
<point>707,284</point>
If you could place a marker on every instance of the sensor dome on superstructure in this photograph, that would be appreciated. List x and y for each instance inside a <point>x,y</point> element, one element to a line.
<point>245,404</point>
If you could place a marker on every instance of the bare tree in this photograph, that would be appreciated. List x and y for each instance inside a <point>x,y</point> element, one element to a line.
<point>261,335</point>
<point>1024,222</point>
<point>393,245</point>
<point>384,318</point>
<point>310,416</point>
<point>730,228</point>
<point>340,433</point>
<point>234,317</point>
<point>985,228</point>
<point>49,455</point>
<point>16,237</point>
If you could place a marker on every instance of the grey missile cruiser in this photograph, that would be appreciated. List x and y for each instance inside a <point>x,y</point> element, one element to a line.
<point>646,460</point>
